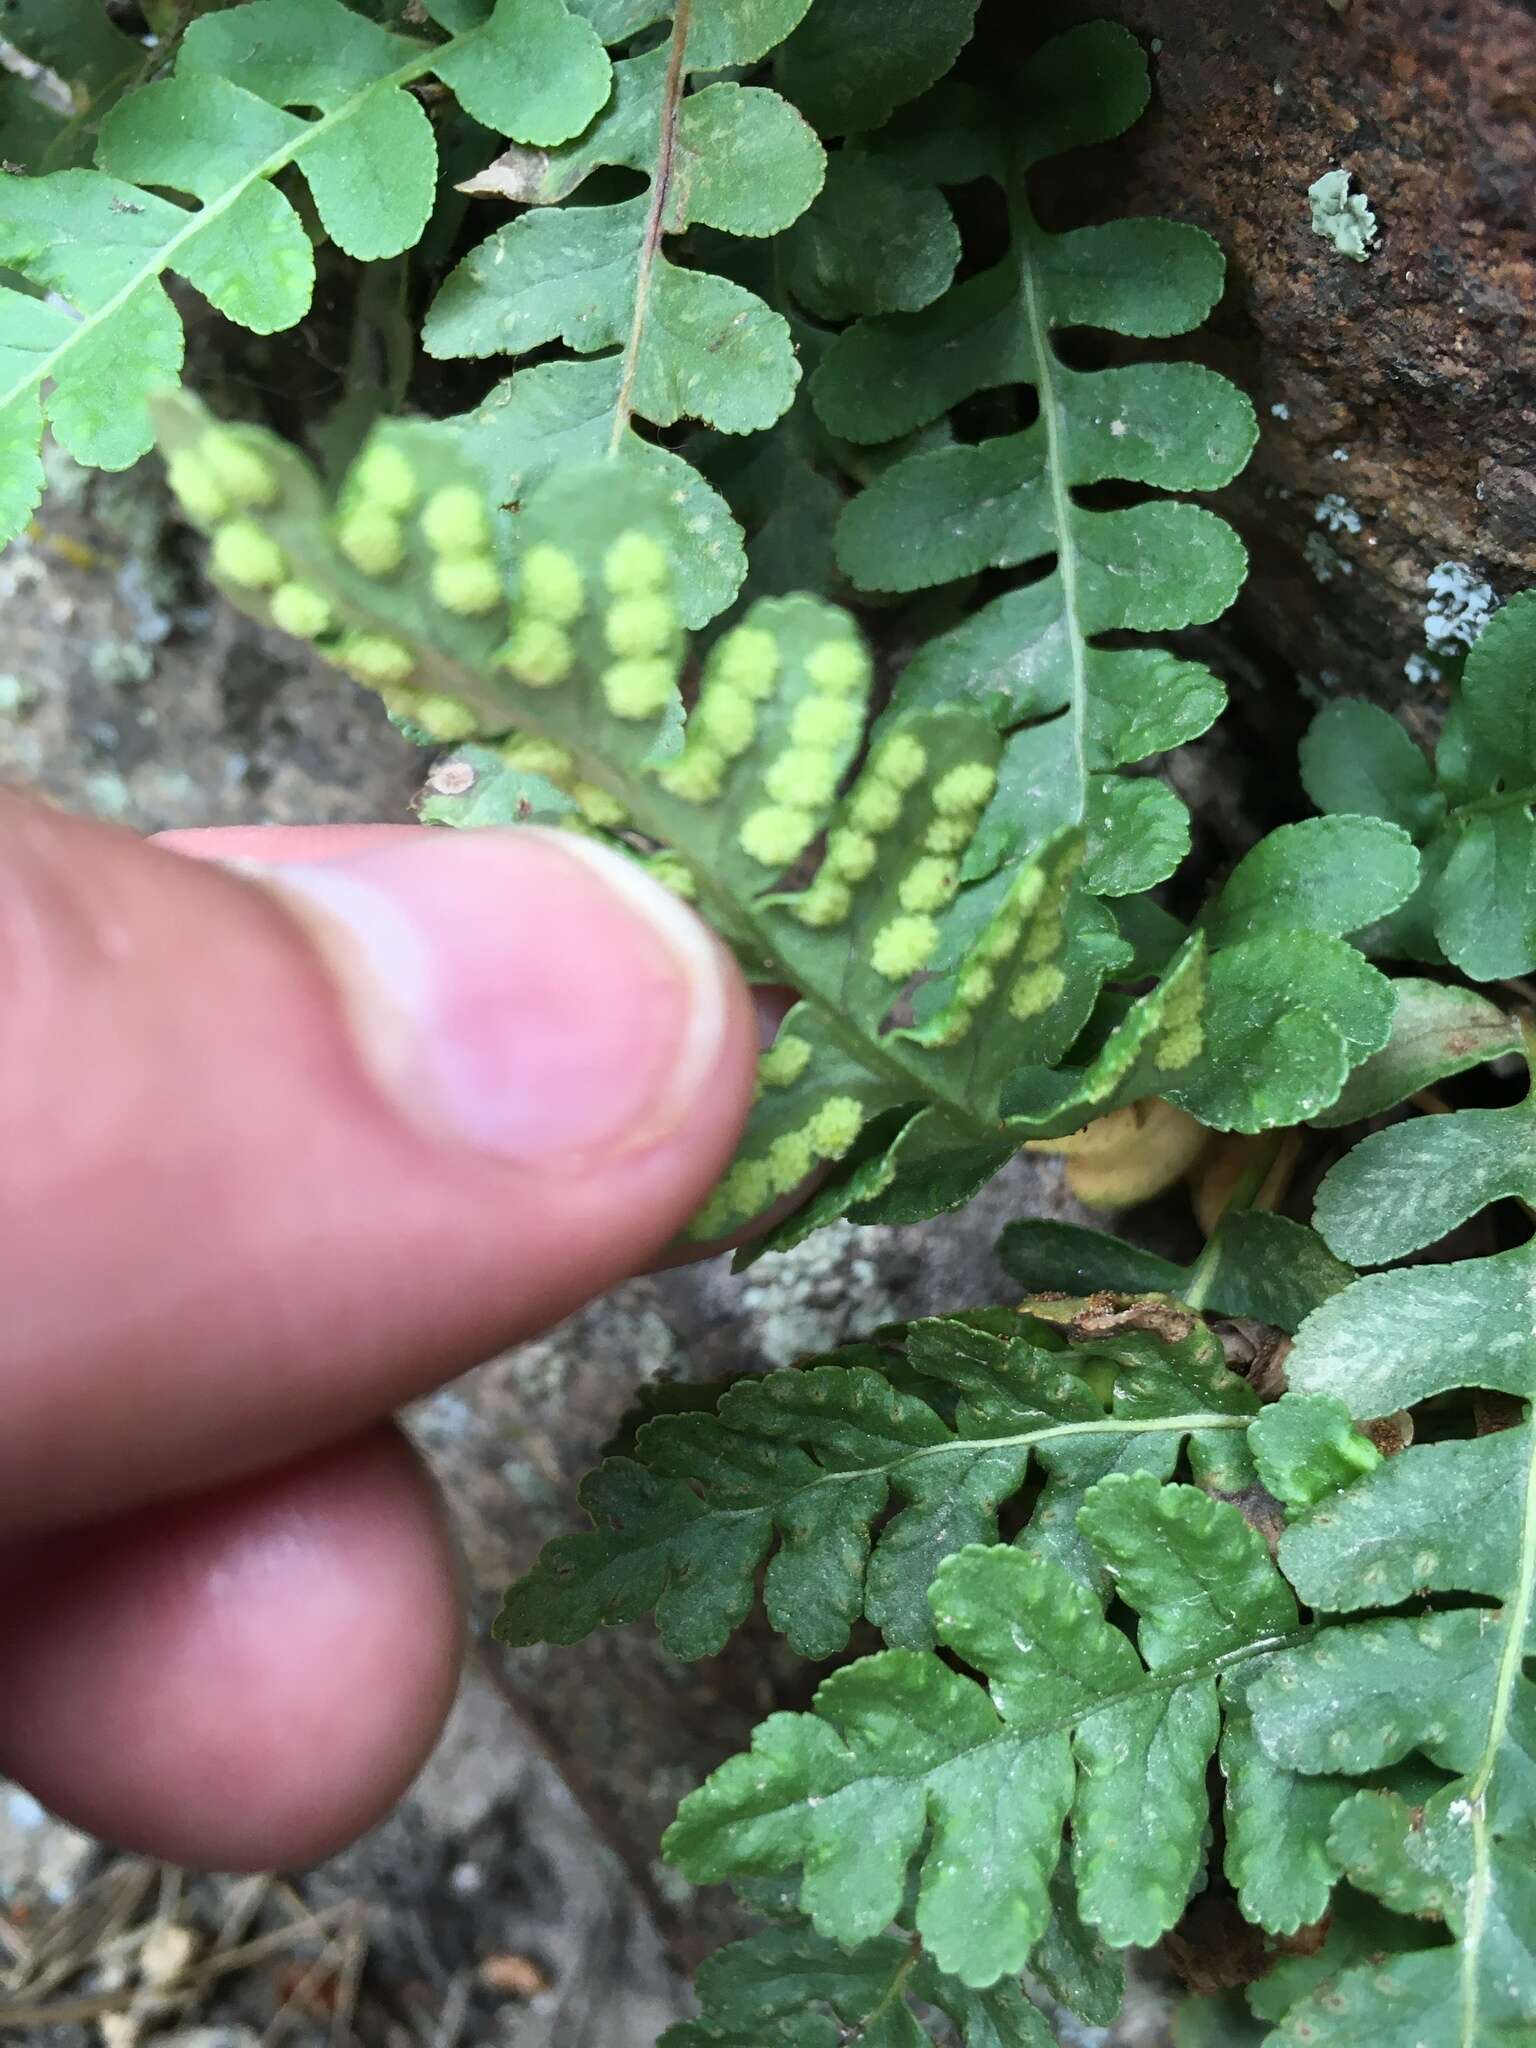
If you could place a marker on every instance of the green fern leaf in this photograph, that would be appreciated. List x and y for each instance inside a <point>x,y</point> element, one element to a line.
<point>220,130</point>
<point>912,1107</point>
<point>947,512</point>
<point>811,1460</point>
<point>1437,1031</point>
<point>1472,813</point>
<point>904,1760</point>
<point>849,67</point>
<point>792,1988</point>
<point>669,341</point>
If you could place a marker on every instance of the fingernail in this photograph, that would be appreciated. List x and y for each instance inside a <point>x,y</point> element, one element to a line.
<point>529,993</point>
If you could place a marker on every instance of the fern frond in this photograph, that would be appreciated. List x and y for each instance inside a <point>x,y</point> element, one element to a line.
<point>666,341</point>
<point>905,1760</point>
<point>1473,811</point>
<point>922,1054</point>
<point>946,1418</point>
<point>101,242</point>
<point>1032,656</point>
<point>790,1988</point>
<point>1435,1551</point>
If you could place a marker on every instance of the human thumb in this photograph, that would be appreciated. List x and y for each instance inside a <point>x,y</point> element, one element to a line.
<point>282,1145</point>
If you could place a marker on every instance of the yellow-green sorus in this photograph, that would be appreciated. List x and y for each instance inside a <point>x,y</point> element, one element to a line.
<point>790,1159</point>
<point>197,489</point>
<point>454,522</point>
<point>538,654</point>
<point>550,585</point>
<point>966,790</point>
<point>840,667</point>
<point>728,719</point>
<point>376,659</point>
<point>801,778</point>
<point>949,835</point>
<point>695,776</point>
<point>372,540</point>
<point>470,586</point>
<point>539,757</point>
<point>1182,1037</point>
<point>902,762</point>
<point>444,718</point>
<point>385,479</point>
<point>875,806</point>
<point>747,658</point>
<point>639,626</point>
<point>1035,991</point>
<point>245,474</point>
<point>823,722</point>
<point>598,805</point>
<point>928,885</point>
<point>903,946</point>
<point>851,855</point>
<point>976,984</point>
<point>672,874</point>
<point>638,689</point>
<point>785,1061</point>
<point>776,835</point>
<point>835,1125</point>
<point>247,557</point>
<point>300,609</point>
<point>635,566</point>
<point>826,902</point>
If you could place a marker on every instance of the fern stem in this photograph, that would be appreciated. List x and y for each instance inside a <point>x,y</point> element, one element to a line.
<point>1061,497</point>
<point>1506,800</point>
<point>1517,1621</point>
<point>661,192</point>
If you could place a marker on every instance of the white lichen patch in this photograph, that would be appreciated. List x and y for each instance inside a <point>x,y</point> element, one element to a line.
<point>1336,513</point>
<point>1342,217</point>
<point>1460,605</point>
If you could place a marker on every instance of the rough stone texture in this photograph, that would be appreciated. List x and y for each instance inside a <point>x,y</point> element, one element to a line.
<point>1409,380</point>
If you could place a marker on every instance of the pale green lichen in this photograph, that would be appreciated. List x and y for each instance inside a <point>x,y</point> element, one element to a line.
<point>1342,217</point>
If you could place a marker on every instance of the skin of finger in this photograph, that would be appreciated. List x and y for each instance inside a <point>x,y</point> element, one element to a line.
<point>242,1681</point>
<point>219,1246</point>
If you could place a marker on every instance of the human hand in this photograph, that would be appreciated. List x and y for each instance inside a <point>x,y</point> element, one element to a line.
<point>278,1152</point>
